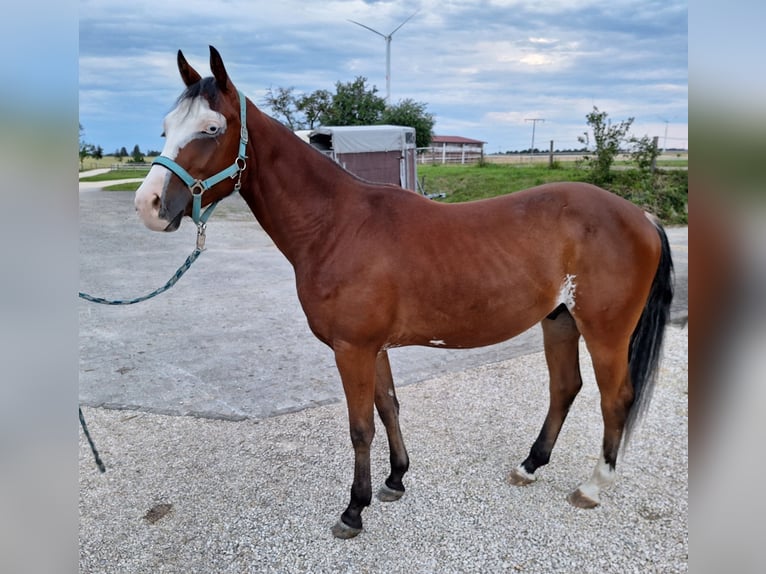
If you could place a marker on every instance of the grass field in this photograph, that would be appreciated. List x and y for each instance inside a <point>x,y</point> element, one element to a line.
<point>117,174</point>
<point>665,194</point>
<point>468,182</point>
<point>105,162</point>
<point>666,159</point>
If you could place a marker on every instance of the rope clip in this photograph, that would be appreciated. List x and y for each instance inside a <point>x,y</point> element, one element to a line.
<point>201,236</point>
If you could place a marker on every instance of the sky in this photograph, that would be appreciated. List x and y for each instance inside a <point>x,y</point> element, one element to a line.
<point>484,69</point>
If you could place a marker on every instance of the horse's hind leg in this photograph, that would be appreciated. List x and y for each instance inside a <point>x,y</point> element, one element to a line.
<point>388,409</point>
<point>610,364</point>
<point>561,339</point>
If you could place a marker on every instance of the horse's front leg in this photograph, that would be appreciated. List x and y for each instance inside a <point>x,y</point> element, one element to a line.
<point>357,372</point>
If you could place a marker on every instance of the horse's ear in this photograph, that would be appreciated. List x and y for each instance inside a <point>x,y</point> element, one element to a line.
<point>219,71</point>
<point>188,74</point>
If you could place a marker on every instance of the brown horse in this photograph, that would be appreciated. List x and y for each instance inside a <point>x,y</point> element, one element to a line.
<point>378,267</point>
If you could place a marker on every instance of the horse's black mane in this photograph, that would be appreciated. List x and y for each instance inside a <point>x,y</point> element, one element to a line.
<point>205,87</point>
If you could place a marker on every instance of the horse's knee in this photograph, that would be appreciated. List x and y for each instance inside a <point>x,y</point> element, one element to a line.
<point>362,435</point>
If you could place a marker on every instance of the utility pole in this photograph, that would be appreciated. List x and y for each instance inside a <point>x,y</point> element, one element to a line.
<point>534,123</point>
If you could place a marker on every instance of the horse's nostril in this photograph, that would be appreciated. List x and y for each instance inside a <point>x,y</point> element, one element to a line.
<point>156,202</point>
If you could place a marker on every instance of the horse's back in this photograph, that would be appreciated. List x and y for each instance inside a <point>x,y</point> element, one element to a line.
<point>533,222</point>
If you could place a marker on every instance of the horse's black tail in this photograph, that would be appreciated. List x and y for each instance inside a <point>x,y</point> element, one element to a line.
<point>646,341</point>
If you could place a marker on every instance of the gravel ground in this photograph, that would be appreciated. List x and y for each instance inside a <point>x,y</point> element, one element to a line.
<point>185,494</point>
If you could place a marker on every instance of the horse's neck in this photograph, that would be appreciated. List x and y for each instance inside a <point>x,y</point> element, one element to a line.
<point>292,190</point>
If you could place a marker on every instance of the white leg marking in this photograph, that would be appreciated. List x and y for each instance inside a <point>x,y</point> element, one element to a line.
<point>521,471</point>
<point>603,476</point>
<point>567,292</point>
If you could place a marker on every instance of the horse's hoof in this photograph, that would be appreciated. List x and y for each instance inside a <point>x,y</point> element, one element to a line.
<point>344,531</point>
<point>387,494</point>
<point>579,500</point>
<point>519,477</point>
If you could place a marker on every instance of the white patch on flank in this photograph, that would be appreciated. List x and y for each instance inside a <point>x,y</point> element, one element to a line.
<point>567,293</point>
<point>437,342</point>
<point>651,217</point>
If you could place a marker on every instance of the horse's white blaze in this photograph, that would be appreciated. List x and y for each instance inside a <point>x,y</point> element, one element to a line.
<point>567,292</point>
<point>189,120</point>
<point>602,477</point>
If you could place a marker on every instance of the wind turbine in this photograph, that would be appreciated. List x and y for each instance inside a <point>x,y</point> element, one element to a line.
<point>387,38</point>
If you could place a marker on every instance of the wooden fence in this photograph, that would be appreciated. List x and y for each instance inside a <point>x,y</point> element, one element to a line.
<point>129,166</point>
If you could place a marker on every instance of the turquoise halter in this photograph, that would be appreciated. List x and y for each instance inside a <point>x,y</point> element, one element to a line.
<point>199,186</point>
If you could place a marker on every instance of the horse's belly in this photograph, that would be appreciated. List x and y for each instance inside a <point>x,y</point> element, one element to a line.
<point>467,329</point>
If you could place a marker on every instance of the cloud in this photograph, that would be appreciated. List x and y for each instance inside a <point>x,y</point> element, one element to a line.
<point>474,65</point>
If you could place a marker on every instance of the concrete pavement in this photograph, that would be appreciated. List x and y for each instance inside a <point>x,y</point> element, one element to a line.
<point>237,488</point>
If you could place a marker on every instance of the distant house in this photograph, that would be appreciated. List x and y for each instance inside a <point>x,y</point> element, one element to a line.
<point>452,149</point>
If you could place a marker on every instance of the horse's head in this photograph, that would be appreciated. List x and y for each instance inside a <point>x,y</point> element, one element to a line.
<point>204,149</point>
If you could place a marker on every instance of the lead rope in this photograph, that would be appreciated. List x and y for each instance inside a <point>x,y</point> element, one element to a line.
<point>99,462</point>
<point>172,281</point>
<point>197,188</point>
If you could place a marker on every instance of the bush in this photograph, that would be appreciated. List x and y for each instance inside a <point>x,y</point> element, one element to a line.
<point>665,194</point>
<point>608,139</point>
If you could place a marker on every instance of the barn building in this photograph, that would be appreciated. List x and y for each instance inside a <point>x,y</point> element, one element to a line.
<point>380,154</point>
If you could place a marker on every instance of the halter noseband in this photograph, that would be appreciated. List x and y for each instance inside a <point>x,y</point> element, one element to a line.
<point>199,186</point>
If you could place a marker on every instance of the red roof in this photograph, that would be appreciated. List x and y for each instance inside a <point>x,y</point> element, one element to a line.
<point>454,140</point>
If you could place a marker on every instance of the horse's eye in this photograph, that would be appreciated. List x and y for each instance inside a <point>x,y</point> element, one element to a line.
<point>212,130</point>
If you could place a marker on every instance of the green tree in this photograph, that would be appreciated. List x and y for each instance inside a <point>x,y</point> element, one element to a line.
<point>297,112</point>
<point>313,106</point>
<point>411,114</point>
<point>645,152</point>
<point>283,104</point>
<point>137,156</point>
<point>85,149</point>
<point>354,104</point>
<point>607,138</point>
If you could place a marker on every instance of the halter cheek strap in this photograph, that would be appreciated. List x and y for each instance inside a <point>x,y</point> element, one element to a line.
<point>199,186</point>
